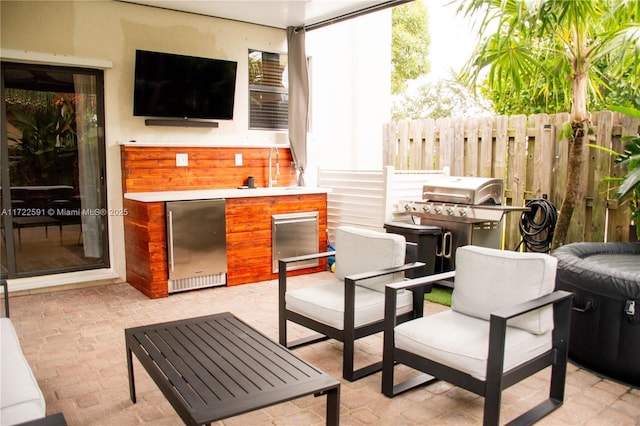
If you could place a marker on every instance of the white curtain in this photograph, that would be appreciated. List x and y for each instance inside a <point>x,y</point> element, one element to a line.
<point>87,136</point>
<point>298,98</point>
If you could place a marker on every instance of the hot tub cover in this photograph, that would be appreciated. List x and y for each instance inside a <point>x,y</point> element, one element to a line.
<point>607,269</point>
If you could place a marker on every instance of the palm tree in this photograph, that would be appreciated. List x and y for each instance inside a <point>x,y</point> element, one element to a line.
<point>556,44</point>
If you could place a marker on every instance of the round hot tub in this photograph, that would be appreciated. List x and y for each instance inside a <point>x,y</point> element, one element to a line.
<point>605,321</point>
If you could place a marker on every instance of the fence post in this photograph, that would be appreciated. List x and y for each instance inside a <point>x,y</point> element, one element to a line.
<point>415,145</point>
<point>543,155</point>
<point>431,150</point>
<point>389,141</point>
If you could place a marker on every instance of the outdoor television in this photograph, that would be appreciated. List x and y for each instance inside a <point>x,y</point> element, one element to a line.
<point>178,86</point>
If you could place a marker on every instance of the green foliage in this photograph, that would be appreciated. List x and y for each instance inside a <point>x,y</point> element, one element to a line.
<point>534,51</point>
<point>566,131</point>
<point>46,143</point>
<point>409,44</point>
<point>533,98</point>
<point>556,51</point>
<point>444,98</point>
<point>628,190</point>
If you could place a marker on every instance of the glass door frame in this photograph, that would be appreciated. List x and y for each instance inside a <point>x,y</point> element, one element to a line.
<point>9,238</point>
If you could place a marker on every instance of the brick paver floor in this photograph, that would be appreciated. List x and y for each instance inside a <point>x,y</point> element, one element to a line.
<point>74,342</point>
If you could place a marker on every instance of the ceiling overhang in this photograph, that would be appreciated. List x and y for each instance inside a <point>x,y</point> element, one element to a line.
<point>310,14</point>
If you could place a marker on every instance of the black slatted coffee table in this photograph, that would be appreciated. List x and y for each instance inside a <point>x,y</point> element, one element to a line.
<point>216,366</point>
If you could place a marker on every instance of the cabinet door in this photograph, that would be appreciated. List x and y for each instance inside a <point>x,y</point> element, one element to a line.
<point>294,234</point>
<point>196,235</point>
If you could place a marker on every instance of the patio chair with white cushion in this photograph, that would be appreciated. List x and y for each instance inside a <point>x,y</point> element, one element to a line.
<point>505,324</point>
<point>351,306</point>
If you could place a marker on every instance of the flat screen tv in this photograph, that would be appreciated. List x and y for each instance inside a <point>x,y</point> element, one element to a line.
<point>179,86</point>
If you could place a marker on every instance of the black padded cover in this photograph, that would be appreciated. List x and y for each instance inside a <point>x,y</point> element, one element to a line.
<point>607,269</point>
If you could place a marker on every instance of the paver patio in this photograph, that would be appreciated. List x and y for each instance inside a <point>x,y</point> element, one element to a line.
<point>74,342</point>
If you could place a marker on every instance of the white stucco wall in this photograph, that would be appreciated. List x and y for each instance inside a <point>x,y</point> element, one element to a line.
<point>351,84</point>
<point>350,80</point>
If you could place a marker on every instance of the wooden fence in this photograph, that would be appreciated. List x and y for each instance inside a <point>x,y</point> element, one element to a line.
<point>525,152</point>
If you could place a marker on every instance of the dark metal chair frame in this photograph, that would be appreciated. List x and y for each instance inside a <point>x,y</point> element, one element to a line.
<point>496,379</point>
<point>350,333</point>
<point>3,283</point>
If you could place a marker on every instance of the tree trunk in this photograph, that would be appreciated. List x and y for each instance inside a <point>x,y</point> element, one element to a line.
<point>574,167</point>
<point>579,132</point>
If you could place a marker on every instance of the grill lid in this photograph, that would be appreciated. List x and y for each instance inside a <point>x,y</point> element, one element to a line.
<point>463,190</point>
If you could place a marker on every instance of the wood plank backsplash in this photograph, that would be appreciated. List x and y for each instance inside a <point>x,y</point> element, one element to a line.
<point>147,169</point>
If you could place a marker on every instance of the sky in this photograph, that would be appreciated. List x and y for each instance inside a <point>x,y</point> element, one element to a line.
<point>452,38</point>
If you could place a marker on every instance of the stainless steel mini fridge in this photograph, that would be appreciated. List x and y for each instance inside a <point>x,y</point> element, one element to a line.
<point>196,244</point>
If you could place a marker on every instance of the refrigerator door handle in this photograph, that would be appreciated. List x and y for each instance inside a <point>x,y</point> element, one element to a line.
<point>171,240</point>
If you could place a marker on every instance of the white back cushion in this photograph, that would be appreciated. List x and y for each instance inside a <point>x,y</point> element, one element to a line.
<point>489,279</point>
<point>363,250</point>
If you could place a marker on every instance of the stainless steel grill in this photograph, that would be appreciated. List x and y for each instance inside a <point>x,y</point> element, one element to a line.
<point>459,199</point>
<point>468,209</point>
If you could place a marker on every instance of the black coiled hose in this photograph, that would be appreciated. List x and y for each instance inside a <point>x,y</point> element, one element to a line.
<point>537,225</point>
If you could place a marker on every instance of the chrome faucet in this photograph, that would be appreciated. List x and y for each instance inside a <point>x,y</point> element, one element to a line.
<point>271,180</point>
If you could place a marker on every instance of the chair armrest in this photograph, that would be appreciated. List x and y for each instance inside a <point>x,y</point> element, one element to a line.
<point>350,288</point>
<point>391,296</point>
<point>531,305</point>
<point>282,288</point>
<point>420,281</point>
<point>561,301</point>
<point>282,268</point>
<point>286,260</point>
<point>382,272</point>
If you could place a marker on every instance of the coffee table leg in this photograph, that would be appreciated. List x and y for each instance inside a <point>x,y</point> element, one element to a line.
<point>333,406</point>
<point>132,385</point>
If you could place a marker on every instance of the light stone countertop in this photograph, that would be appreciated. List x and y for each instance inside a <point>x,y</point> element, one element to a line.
<point>206,194</point>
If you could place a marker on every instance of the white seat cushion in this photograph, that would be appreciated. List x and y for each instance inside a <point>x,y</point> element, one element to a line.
<point>325,303</point>
<point>20,397</point>
<point>362,250</point>
<point>489,279</point>
<point>462,342</point>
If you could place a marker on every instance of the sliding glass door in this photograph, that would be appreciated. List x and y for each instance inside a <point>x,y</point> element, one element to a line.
<point>53,211</point>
